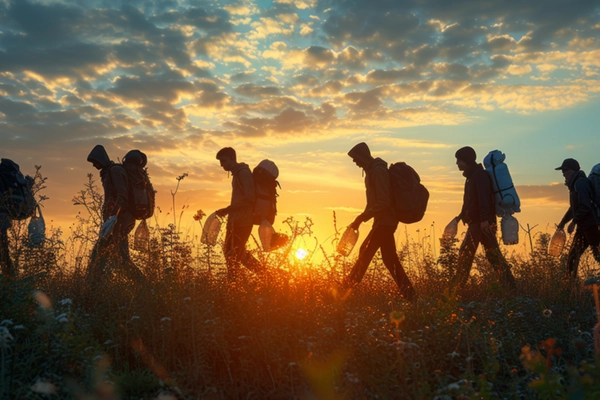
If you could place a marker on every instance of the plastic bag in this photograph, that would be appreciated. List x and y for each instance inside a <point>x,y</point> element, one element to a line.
<point>451,229</point>
<point>36,229</point>
<point>510,230</point>
<point>347,242</point>
<point>141,237</point>
<point>107,227</point>
<point>265,233</point>
<point>211,229</point>
<point>557,243</point>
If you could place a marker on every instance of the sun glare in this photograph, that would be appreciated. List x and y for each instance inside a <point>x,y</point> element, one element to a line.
<point>301,254</point>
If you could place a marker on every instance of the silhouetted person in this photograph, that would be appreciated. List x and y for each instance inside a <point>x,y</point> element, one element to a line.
<point>582,213</point>
<point>5,261</point>
<point>112,252</point>
<point>479,213</point>
<point>381,236</point>
<point>240,209</point>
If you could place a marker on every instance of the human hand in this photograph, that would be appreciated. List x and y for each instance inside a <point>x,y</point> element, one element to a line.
<point>221,212</point>
<point>356,223</point>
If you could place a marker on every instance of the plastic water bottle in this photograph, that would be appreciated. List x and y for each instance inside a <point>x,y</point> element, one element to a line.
<point>451,229</point>
<point>510,230</point>
<point>211,229</point>
<point>265,233</point>
<point>347,241</point>
<point>557,243</point>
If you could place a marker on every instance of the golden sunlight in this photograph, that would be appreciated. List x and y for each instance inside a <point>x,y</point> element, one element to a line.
<point>301,254</point>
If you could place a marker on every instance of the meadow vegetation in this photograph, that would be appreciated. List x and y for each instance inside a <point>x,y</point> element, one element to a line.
<point>291,333</point>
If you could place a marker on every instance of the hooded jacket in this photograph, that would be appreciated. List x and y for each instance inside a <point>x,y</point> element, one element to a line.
<point>242,196</point>
<point>379,204</point>
<point>114,183</point>
<point>581,209</point>
<point>478,199</point>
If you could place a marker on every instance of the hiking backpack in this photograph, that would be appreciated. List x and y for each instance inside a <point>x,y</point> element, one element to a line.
<point>409,196</point>
<point>16,195</point>
<point>505,194</point>
<point>140,190</point>
<point>594,178</point>
<point>265,190</point>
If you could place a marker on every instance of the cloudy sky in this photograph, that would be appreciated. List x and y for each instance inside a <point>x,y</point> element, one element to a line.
<point>300,82</point>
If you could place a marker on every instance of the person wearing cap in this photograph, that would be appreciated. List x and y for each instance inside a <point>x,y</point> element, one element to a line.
<point>581,214</point>
<point>239,212</point>
<point>479,213</point>
<point>113,251</point>
<point>381,235</point>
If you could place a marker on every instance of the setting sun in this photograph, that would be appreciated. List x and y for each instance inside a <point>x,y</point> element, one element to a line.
<point>301,254</point>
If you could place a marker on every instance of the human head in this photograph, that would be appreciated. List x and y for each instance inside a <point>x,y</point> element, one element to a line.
<point>98,157</point>
<point>568,167</point>
<point>465,157</point>
<point>227,158</point>
<point>361,155</point>
<point>135,157</point>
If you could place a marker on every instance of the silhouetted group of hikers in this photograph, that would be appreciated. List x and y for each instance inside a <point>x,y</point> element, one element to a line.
<point>393,195</point>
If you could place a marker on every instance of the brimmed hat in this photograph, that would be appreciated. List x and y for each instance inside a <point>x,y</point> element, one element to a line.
<point>569,164</point>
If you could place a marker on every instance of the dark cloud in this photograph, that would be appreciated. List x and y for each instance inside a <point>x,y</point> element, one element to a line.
<point>166,87</point>
<point>250,90</point>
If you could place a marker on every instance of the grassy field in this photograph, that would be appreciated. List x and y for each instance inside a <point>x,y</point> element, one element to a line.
<point>290,333</point>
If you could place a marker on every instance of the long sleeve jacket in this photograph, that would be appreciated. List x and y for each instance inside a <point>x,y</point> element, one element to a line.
<point>242,196</point>
<point>478,199</point>
<point>581,209</point>
<point>379,204</point>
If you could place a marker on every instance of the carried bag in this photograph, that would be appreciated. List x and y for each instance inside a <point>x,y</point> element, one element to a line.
<point>506,197</point>
<point>594,178</point>
<point>16,194</point>
<point>141,192</point>
<point>347,241</point>
<point>265,190</point>
<point>141,237</point>
<point>211,229</point>
<point>409,196</point>
<point>36,229</point>
<point>107,227</point>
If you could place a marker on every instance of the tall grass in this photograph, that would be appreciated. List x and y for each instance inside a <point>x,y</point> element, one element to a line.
<point>291,333</point>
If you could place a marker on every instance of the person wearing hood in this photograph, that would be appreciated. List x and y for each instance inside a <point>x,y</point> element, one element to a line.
<point>582,215</point>
<point>381,236</point>
<point>479,213</point>
<point>112,251</point>
<point>239,212</point>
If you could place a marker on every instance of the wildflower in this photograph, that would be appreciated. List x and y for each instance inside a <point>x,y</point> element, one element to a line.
<point>66,301</point>
<point>43,387</point>
<point>199,215</point>
<point>453,354</point>
<point>547,313</point>
<point>165,319</point>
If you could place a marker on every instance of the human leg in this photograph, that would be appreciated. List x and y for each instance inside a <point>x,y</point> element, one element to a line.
<point>5,261</point>
<point>234,247</point>
<point>125,224</point>
<point>498,261</point>
<point>466,254</point>
<point>393,264</point>
<point>578,246</point>
<point>365,254</point>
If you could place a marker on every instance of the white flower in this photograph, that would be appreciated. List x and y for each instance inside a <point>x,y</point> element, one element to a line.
<point>43,387</point>
<point>63,320</point>
<point>453,354</point>
<point>60,317</point>
<point>66,301</point>
<point>165,319</point>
